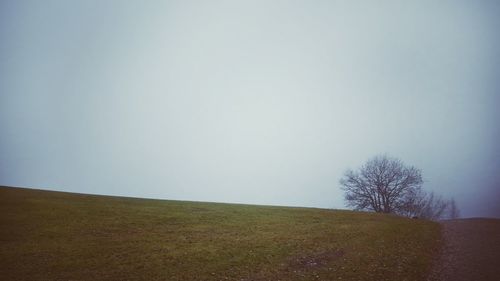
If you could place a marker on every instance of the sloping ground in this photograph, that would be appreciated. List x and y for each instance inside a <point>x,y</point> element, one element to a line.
<point>471,251</point>
<point>62,236</point>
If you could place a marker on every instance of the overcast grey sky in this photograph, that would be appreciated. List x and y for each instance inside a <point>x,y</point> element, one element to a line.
<point>263,102</point>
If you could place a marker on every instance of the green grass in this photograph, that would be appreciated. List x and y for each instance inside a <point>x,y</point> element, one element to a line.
<point>48,235</point>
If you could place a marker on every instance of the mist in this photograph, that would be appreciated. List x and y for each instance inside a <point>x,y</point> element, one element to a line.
<point>259,102</point>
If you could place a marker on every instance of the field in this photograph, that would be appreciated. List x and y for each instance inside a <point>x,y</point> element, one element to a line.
<point>48,235</point>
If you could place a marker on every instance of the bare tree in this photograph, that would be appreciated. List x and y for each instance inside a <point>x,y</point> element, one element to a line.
<point>430,206</point>
<point>387,185</point>
<point>454,211</point>
<point>415,202</point>
<point>383,184</point>
<point>434,207</point>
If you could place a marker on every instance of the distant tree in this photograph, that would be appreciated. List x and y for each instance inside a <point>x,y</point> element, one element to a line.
<point>383,184</point>
<point>429,206</point>
<point>454,211</point>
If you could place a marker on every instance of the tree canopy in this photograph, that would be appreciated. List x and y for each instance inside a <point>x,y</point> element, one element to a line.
<point>387,185</point>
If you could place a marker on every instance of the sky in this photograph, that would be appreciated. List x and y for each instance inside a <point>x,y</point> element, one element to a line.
<point>260,102</point>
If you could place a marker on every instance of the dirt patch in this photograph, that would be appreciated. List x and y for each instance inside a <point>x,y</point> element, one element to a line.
<point>302,265</point>
<point>316,260</point>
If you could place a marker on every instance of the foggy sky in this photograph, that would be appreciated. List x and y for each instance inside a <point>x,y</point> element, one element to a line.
<point>262,102</point>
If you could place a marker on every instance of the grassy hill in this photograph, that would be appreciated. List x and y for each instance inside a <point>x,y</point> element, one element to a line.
<point>48,235</point>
